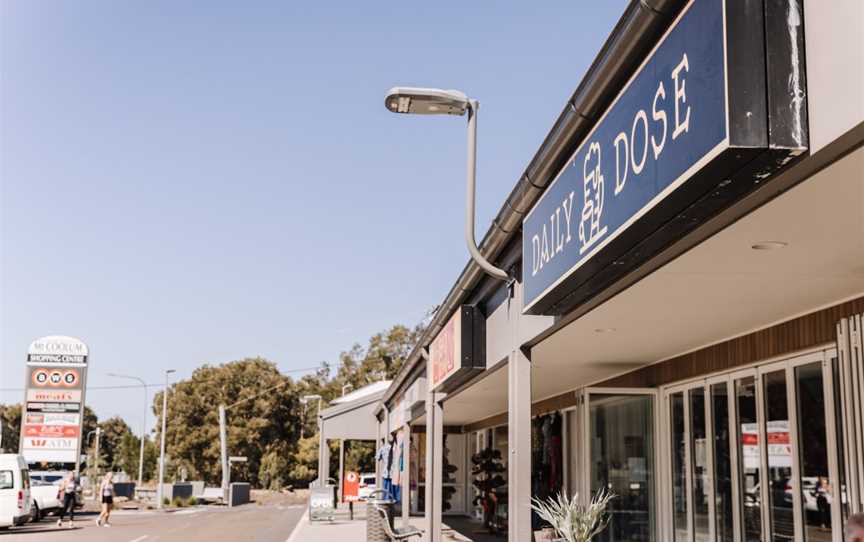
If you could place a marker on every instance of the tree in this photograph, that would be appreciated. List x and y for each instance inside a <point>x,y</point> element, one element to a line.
<point>303,467</point>
<point>128,452</point>
<point>114,430</point>
<point>266,414</point>
<point>10,417</point>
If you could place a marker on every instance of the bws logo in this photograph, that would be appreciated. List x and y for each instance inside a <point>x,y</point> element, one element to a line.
<point>55,378</point>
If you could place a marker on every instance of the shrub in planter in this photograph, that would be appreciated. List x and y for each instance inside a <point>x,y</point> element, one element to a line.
<point>572,521</point>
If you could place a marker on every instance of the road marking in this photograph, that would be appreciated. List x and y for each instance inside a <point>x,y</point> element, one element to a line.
<point>139,539</point>
<point>297,528</point>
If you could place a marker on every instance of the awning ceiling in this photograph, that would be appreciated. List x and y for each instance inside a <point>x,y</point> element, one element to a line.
<point>720,289</point>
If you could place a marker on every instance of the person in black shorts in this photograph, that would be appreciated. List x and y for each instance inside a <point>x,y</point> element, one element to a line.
<point>106,490</point>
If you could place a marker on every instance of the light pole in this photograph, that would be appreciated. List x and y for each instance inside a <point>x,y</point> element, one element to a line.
<point>433,101</point>
<point>143,427</point>
<point>159,489</point>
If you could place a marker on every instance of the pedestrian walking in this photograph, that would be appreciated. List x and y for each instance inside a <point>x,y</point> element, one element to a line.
<point>67,494</point>
<point>106,490</point>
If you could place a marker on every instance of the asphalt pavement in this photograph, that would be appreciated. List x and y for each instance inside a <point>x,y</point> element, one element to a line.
<point>252,522</point>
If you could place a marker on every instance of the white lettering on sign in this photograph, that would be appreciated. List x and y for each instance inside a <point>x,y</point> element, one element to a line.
<point>540,242</point>
<point>681,97</point>
<point>592,202</point>
<point>631,155</point>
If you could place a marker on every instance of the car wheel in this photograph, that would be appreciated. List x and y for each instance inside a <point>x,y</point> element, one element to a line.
<point>37,514</point>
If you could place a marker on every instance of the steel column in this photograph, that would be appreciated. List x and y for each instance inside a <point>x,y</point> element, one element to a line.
<point>519,441</point>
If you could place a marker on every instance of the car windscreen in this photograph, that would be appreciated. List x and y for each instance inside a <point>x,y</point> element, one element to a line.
<point>6,480</point>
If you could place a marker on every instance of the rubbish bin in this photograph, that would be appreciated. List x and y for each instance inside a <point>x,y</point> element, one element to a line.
<point>374,522</point>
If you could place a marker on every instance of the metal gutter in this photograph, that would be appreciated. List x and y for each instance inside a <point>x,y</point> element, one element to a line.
<point>636,32</point>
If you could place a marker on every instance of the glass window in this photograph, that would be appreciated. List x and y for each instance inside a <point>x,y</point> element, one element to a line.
<point>6,480</point>
<point>841,452</point>
<point>679,482</point>
<point>749,458</point>
<point>779,479</point>
<point>817,491</point>
<point>573,437</point>
<point>722,464</point>
<point>699,454</point>
<point>622,460</point>
<point>500,443</point>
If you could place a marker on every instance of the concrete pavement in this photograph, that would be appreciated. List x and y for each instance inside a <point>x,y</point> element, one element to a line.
<point>252,522</point>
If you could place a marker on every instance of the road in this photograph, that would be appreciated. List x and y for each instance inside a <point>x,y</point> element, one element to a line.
<point>252,522</point>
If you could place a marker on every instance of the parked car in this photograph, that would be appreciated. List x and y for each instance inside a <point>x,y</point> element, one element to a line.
<point>367,485</point>
<point>55,478</point>
<point>45,497</point>
<point>15,500</point>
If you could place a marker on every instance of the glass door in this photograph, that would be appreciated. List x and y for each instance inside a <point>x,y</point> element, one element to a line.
<point>621,426</point>
<point>752,455</point>
<point>688,415</point>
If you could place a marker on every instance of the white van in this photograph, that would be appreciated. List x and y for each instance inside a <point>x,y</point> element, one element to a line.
<point>14,490</point>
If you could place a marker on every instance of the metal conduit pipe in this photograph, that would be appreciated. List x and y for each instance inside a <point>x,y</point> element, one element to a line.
<point>635,34</point>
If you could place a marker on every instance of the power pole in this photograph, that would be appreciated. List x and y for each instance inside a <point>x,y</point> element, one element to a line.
<point>223,448</point>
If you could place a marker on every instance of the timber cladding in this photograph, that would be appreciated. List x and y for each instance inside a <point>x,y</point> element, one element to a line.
<point>808,331</point>
<point>802,333</point>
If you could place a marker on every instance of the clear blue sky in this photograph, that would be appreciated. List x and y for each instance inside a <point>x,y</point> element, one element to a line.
<point>196,182</point>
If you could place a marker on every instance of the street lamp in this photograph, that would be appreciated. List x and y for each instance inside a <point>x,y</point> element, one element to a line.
<point>162,446</point>
<point>143,427</point>
<point>433,101</point>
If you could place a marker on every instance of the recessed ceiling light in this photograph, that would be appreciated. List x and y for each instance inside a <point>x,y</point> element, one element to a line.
<point>769,245</point>
<point>604,330</point>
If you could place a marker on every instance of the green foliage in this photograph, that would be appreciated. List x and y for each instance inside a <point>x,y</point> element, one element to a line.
<point>179,502</point>
<point>572,521</point>
<point>114,430</point>
<point>263,420</point>
<point>303,466</point>
<point>10,418</point>
<point>275,463</point>
<point>360,456</point>
<point>128,452</point>
<point>192,501</point>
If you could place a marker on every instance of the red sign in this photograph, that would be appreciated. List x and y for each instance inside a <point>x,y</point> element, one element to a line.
<point>444,350</point>
<point>51,431</point>
<point>351,487</point>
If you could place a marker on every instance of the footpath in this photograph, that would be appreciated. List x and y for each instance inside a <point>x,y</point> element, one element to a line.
<point>343,529</point>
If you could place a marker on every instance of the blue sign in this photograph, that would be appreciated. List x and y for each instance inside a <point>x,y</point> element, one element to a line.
<point>668,121</point>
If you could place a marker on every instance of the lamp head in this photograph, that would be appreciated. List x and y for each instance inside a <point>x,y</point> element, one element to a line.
<point>426,101</point>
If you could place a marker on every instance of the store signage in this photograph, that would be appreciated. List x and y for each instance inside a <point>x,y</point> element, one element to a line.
<point>54,398</point>
<point>458,349</point>
<point>59,350</point>
<point>665,142</point>
<point>351,487</point>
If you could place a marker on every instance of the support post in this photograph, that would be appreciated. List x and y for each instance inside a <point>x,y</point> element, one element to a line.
<point>323,457</point>
<point>341,468</point>
<point>519,453</point>
<point>223,451</point>
<point>434,465</point>
<point>378,471</point>
<point>406,474</point>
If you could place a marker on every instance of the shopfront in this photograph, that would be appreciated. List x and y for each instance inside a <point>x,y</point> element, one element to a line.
<point>683,327</point>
